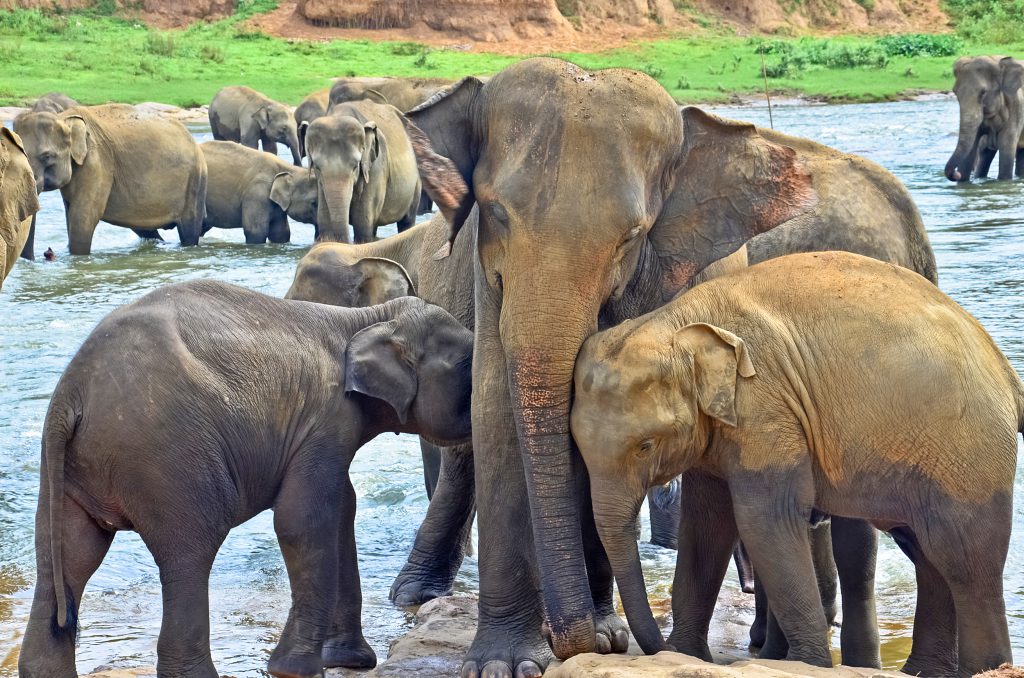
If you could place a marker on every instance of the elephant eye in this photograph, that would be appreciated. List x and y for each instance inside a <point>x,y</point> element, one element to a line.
<point>645,447</point>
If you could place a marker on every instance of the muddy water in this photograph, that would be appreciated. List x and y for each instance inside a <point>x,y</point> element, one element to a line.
<point>47,309</point>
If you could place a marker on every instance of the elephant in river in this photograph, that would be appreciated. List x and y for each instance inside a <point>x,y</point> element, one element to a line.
<point>366,171</point>
<point>113,162</point>
<point>248,117</point>
<point>238,403</point>
<point>344,274</point>
<point>817,383</point>
<point>312,107</point>
<point>19,201</point>
<point>596,200</point>
<point>53,102</point>
<point>990,91</point>
<point>402,93</point>
<point>256,192</point>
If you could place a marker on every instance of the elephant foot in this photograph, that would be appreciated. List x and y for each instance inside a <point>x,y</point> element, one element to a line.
<point>349,653</point>
<point>295,665</point>
<point>612,634</point>
<point>691,645</point>
<point>941,667</point>
<point>758,631</point>
<point>502,652</point>
<point>416,585</point>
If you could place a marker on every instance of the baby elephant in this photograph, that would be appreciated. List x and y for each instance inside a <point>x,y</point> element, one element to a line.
<point>256,192</point>
<point>811,384</point>
<point>202,404</point>
<point>248,117</point>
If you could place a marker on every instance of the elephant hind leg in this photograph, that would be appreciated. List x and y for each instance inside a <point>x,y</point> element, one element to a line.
<point>190,223</point>
<point>934,649</point>
<point>1020,162</point>
<point>855,546</point>
<point>47,651</point>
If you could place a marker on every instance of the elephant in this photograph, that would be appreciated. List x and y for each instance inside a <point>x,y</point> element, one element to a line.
<point>213,442</point>
<point>404,94</point>
<point>245,116</point>
<point>815,383</point>
<point>19,201</point>
<point>344,274</point>
<point>53,102</point>
<point>366,170</point>
<point>598,200</point>
<point>990,91</point>
<point>113,162</point>
<point>312,107</point>
<point>256,192</point>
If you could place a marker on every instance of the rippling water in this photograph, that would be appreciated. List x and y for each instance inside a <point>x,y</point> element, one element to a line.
<point>48,308</point>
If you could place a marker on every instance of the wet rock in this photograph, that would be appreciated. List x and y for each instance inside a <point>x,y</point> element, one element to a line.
<point>675,665</point>
<point>1004,671</point>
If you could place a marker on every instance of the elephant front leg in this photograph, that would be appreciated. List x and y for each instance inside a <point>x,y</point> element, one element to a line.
<point>345,645</point>
<point>1020,171</point>
<point>83,212</point>
<point>307,530</point>
<point>28,251</point>
<point>985,157</point>
<point>1007,153</point>
<point>780,548</point>
<point>707,535</point>
<point>441,541</point>
<point>508,639</point>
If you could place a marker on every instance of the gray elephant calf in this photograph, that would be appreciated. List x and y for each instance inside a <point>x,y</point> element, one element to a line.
<point>366,168</point>
<point>256,192</point>
<point>116,163</point>
<point>248,117</point>
<point>202,404</point>
<point>810,384</point>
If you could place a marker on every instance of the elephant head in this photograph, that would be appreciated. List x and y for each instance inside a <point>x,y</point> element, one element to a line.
<point>342,149</point>
<point>20,202</point>
<point>328,275</point>
<point>593,192</point>
<point>646,394</point>
<point>419,363</point>
<point>278,124</point>
<point>988,90</point>
<point>53,144</point>
<point>296,193</point>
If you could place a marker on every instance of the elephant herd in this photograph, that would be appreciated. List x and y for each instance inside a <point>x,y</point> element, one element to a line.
<point>616,297</point>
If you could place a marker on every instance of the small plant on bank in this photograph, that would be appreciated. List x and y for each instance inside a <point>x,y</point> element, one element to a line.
<point>159,44</point>
<point>405,48</point>
<point>423,60</point>
<point>654,71</point>
<point>211,53</point>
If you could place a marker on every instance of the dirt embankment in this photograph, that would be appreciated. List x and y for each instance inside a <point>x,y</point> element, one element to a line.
<point>537,26</point>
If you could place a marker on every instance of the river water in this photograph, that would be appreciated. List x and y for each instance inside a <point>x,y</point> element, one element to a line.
<point>48,308</point>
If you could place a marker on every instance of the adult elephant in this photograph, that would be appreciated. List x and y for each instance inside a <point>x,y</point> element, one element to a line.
<point>248,117</point>
<point>52,102</point>
<point>18,200</point>
<point>312,107</point>
<point>366,171</point>
<point>113,162</point>
<point>256,192</point>
<point>599,201</point>
<point>990,91</point>
<point>402,93</point>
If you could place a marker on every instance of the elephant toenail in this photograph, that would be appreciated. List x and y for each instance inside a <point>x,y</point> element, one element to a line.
<point>621,643</point>
<point>496,669</point>
<point>604,646</point>
<point>528,669</point>
<point>470,670</point>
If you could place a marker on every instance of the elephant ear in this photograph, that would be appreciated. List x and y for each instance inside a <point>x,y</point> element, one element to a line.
<point>371,149</point>
<point>718,357</point>
<point>281,190</point>
<point>79,138</point>
<point>377,365</point>
<point>382,281</point>
<point>728,184</point>
<point>443,132</point>
<point>1012,76</point>
<point>262,116</point>
<point>375,96</point>
<point>960,64</point>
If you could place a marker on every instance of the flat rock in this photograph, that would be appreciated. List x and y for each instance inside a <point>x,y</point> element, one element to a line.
<point>675,665</point>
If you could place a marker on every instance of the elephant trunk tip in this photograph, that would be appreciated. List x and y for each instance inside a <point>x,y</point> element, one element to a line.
<point>575,638</point>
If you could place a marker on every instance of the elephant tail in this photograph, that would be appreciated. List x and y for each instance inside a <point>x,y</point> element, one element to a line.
<point>60,427</point>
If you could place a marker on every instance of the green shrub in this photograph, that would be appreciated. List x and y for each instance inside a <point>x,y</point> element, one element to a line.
<point>869,5</point>
<point>405,48</point>
<point>796,56</point>
<point>653,71</point>
<point>568,7</point>
<point>211,53</point>
<point>160,44</point>
<point>998,21</point>
<point>921,45</point>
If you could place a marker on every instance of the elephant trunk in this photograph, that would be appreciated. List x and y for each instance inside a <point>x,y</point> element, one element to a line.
<point>619,541</point>
<point>335,201</point>
<point>296,148</point>
<point>961,163</point>
<point>541,341</point>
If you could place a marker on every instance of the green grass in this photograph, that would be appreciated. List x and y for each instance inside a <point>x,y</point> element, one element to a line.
<point>96,58</point>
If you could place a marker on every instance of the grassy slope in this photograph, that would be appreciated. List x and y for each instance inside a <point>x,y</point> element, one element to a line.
<point>98,58</point>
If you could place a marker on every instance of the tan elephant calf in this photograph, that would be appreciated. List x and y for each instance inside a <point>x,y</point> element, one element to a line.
<point>116,163</point>
<point>18,200</point>
<point>824,383</point>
